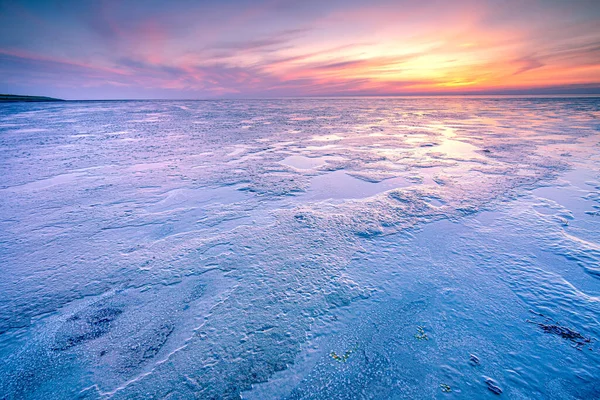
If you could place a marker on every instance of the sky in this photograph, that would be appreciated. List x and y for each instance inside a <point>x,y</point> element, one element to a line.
<point>155,49</point>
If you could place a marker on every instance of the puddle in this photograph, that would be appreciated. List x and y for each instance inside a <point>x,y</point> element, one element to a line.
<point>421,147</point>
<point>418,139</point>
<point>326,138</point>
<point>457,149</point>
<point>340,185</point>
<point>303,162</point>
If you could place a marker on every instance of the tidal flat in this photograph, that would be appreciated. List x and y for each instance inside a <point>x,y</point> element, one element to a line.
<point>345,248</point>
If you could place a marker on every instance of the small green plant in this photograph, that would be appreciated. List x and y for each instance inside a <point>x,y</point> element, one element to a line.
<point>344,357</point>
<point>421,335</point>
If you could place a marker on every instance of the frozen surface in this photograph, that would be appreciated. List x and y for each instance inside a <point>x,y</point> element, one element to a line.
<point>300,249</point>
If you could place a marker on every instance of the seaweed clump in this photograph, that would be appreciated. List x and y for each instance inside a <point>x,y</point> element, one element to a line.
<point>421,335</point>
<point>553,327</point>
<point>344,357</point>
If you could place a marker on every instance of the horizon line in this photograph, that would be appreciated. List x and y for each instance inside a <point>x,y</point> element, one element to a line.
<point>339,96</point>
<point>324,97</point>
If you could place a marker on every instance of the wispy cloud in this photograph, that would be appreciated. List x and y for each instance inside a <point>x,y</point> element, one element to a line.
<point>527,64</point>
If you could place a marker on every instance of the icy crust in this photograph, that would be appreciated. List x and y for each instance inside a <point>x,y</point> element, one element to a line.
<point>495,304</point>
<point>165,249</point>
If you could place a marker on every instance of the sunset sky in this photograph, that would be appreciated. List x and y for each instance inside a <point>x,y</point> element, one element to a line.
<point>212,49</point>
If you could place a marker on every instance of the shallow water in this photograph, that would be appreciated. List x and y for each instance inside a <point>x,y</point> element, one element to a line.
<point>300,249</point>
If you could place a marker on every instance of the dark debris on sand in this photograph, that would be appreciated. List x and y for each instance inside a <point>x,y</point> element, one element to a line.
<point>565,332</point>
<point>492,386</point>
